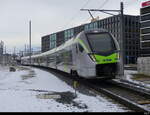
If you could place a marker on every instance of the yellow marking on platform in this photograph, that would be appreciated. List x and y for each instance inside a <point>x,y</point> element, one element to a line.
<point>48,96</point>
<point>143,102</point>
<point>75,84</point>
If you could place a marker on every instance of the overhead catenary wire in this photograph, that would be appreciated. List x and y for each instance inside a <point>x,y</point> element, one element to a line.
<point>105,2</point>
<point>127,4</point>
<point>78,13</point>
<point>85,4</point>
<point>101,6</point>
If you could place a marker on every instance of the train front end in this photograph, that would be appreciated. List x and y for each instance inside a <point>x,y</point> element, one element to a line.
<point>103,52</point>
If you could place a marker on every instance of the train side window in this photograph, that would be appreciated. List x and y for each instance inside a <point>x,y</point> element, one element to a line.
<point>80,48</point>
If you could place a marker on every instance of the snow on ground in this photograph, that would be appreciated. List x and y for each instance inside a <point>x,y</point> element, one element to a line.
<point>21,91</point>
<point>129,76</point>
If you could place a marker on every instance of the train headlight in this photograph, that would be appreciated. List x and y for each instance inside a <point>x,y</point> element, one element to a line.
<point>118,56</point>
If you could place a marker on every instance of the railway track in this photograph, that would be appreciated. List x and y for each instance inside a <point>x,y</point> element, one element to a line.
<point>135,99</point>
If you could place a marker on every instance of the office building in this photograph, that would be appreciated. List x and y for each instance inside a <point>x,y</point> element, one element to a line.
<point>145,29</point>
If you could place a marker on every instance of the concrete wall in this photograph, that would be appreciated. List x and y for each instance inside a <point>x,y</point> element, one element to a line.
<point>143,66</point>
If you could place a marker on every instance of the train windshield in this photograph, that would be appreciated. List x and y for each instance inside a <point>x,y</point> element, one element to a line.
<point>101,42</point>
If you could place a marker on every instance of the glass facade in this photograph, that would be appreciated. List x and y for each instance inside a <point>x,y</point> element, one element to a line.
<point>52,41</point>
<point>91,26</point>
<point>69,34</point>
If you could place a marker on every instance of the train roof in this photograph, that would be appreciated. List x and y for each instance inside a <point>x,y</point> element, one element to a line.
<point>95,31</point>
<point>67,43</point>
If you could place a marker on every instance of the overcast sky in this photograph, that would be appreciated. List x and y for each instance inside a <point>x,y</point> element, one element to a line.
<point>49,16</point>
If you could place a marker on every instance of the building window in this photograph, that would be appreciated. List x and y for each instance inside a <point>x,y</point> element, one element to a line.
<point>145,24</point>
<point>145,44</point>
<point>52,41</point>
<point>145,31</point>
<point>69,34</point>
<point>91,26</point>
<point>145,17</point>
<point>145,37</point>
<point>145,10</point>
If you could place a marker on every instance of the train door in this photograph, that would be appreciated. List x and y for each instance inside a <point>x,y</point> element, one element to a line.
<point>80,59</point>
<point>74,57</point>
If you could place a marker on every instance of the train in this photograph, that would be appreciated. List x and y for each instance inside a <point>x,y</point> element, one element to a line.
<point>91,54</point>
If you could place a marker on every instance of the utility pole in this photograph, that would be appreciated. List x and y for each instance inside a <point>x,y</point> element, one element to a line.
<point>14,55</point>
<point>6,58</point>
<point>121,41</point>
<point>14,51</point>
<point>122,56</point>
<point>30,39</point>
<point>25,50</point>
<point>5,50</point>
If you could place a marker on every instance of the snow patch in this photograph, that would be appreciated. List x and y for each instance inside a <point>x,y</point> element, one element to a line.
<point>20,95</point>
<point>129,76</point>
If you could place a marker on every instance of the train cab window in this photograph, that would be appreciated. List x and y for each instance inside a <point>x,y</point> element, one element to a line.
<point>80,48</point>
<point>101,42</point>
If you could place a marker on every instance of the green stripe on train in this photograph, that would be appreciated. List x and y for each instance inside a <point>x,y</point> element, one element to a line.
<point>114,58</point>
<point>107,59</point>
<point>83,45</point>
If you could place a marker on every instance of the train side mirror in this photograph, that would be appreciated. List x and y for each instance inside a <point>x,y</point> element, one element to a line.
<point>117,51</point>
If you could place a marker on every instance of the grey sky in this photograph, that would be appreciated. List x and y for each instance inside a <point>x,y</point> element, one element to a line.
<point>49,16</point>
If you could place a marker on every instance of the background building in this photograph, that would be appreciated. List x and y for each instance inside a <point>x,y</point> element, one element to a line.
<point>5,59</point>
<point>1,48</point>
<point>1,52</point>
<point>145,29</point>
<point>112,24</point>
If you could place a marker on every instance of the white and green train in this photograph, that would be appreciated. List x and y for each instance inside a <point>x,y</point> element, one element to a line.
<point>91,54</point>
